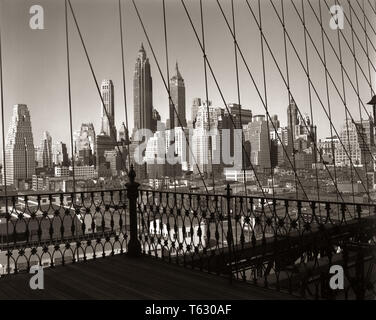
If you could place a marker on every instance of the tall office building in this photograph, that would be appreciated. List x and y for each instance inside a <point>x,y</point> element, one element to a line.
<point>46,151</point>
<point>257,134</point>
<point>353,137</point>
<point>103,143</point>
<point>19,149</point>
<point>177,89</point>
<point>238,113</point>
<point>155,118</point>
<point>60,154</point>
<point>108,118</point>
<point>195,105</point>
<point>292,114</point>
<point>206,146</point>
<point>85,143</point>
<point>292,121</point>
<point>142,92</point>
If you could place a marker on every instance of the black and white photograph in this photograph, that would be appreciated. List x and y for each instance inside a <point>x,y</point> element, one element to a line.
<point>209,151</point>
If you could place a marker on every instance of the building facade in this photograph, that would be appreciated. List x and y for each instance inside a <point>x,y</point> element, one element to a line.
<point>142,92</point>
<point>19,149</point>
<point>46,151</point>
<point>108,109</point>
<point>177,89</point>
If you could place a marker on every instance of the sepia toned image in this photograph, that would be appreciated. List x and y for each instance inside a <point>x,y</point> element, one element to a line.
<point>188,150</point>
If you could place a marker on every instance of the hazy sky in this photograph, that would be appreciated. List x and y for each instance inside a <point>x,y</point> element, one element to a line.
<point>35,73</point>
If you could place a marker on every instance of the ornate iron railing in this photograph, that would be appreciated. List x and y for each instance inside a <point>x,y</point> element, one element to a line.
<point>283,244</point>
<point>53,229</point>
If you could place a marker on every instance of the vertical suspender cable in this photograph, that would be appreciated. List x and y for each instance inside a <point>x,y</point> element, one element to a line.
<point>346,111</point>
<point>3,141</point>
<point>254,84</point>
<point>124,80</point>
<point>284,80</point>
<point>328,96</point>
<point>266,94</point>
<point>331,78</point>
<point>369,40</point>
<point>69,91</point>
<point>172,121</point>
<point>349,78</point>
<point>207,94</point>
<point>312,131</point>
<point>218,86</point>
<point>166,87</point>
<point>289,98</point>
<point>238,90</point>
<point>357,89</point>
<point>367,48</point>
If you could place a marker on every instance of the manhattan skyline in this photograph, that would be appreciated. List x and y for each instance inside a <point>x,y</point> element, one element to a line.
<point>35,63</point>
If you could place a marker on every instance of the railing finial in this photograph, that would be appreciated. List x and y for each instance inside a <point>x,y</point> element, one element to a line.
<point>132,174</point>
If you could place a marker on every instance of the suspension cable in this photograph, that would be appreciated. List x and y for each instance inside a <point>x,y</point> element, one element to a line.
<point>69,91</point>
<point>372,7</point>
<point>333,82</point>
<point>313,87</point>
<point>367,38</point>
<point>365,18</point>
<point>220,91</point>
<point>124,80</point>
<point>221,94</point>
<point>336,54</point>
<point>166,87</point>
<point>357,88</point>
<point>367,48</point>
<point>207,95</point>
<point>331,78</point>
<point>285,82</point>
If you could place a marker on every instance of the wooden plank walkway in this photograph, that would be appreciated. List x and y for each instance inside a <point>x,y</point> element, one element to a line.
<point>121,277</point>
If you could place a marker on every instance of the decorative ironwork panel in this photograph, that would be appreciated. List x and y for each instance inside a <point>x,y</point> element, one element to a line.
<point>55,229</point>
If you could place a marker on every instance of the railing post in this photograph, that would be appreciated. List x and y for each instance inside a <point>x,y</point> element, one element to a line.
<point>229,229</point>
<point>134,246</point>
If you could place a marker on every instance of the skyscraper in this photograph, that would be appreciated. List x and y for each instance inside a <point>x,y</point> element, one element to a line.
<point>108,118</point>
<point>256,132</point>
<point>46,151</point>
<point>60,154</point>
<point>195,105</point>
<point>202,139</point>
<point>84,139</point>
<point>292,121</point>
<point>353,137</point>
<point>177,89</point>
<point>19,149</point>
<point>142,92</point>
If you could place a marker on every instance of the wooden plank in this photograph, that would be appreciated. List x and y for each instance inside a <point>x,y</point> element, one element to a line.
<point>121,277</point>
